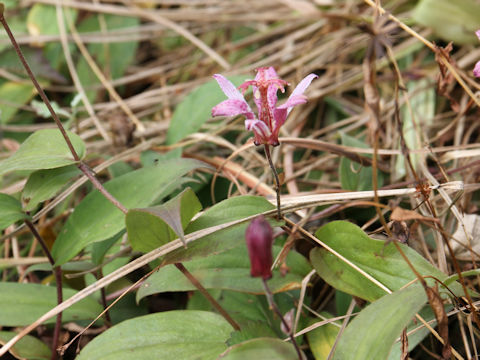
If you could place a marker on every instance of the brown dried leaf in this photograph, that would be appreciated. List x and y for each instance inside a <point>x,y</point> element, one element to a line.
<point>404,346</point>
<point>445,78</point>
<point>400,214</point>
<point>436,304</point>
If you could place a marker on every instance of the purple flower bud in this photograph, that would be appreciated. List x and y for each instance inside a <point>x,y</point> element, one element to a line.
<point>259,236</point>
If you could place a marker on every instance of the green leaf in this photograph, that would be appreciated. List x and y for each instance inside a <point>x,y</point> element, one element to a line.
<point>419,331</point>
<point>171,335</point>
<point>322,338</point>
<point>228,210</point>
<point>196,109</point>
<point>354,176</point>
<point>42,19</point>
<point>45,184</point>
<point>229,270</point>
<point>422,106</point>
<point>116,56</point>
<point>28,347</point>
<point>451,20</point>
<point>10,211</point>
<point>384,263</point>
<point>380,324</point>
<point>96,219</point>
<point>44,149</point>
<point>23,303</point>
<point>39,65</point>
<point>42,110</point>
<point>152,227</point>
<point>12,96</point>
<point>101,248</point>
<point>261,348</point>
<point>251,330</point>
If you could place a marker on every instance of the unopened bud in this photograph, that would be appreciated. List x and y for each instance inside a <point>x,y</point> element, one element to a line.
<point>289,318</point>
<point>259,236</point>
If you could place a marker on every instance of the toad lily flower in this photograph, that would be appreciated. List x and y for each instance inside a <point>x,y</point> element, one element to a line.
<point>271,117</point>
<point>476,70</point>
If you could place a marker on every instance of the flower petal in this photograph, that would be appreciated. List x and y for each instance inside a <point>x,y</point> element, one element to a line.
<point>232,107</point>
<point>279,117</point>
<point>303,85</point>
<point>478,34</point>
<point>228,88</point>
<point>476,70</point>
<point>260,130</point>
<point>266,73</point>
<point>292,101</point>
<point>297,94</point>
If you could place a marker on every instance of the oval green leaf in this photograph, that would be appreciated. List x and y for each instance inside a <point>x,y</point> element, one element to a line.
<point>44,149</point>
<point>23,303</point>
<point>10,211</point>
<point>383,262</point>
<point>373,332</point>
<point>45,184</point>
<point>172,335</point>
<point>261,348</point>
<point>96,219</point>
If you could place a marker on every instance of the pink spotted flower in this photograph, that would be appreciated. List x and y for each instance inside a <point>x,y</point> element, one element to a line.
<point>476,70</point>
<point>271,117</point>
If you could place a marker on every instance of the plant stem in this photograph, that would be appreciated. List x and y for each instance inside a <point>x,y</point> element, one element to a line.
<point>108,320</point>
<point>205,293</point>
<point>276,310</point>
<point>88,173</point>
<point>58,283</point>
<point>277,180</point>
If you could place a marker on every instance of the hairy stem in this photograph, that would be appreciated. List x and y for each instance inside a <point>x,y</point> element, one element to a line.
<point>277,180</point>
<point>58,283</point>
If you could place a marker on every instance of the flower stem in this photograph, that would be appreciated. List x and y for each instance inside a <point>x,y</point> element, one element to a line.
<point>276,310</point>
<point>277,180</point>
